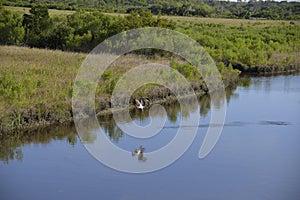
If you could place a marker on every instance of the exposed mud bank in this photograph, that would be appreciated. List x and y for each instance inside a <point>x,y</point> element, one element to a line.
<point>266,70</point>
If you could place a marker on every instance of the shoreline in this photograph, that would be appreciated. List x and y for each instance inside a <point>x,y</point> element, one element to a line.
<point>266,70</point>
<point>38,125</point>
<point>106,112</point>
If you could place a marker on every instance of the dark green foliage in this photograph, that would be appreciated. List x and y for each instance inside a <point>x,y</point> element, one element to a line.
<point>242,44</point>
<point>11,28</point>
<point>206,8</point>
<point>187,70</point>
<point>246,45</point>
<point>142,19</point>
<point>37,26</point>
<point>80,31</point>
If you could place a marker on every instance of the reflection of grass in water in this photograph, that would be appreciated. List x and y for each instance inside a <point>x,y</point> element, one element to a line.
<point>172,109</point>
<point>11,145</point>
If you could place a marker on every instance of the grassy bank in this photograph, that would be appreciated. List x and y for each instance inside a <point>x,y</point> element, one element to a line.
<point>36,85</point>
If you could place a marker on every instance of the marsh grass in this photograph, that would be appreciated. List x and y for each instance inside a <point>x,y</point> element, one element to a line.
<point>29,76</point>
<point>35,86</point>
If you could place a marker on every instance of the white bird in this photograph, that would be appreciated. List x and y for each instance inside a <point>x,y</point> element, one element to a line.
<point>141,103</point>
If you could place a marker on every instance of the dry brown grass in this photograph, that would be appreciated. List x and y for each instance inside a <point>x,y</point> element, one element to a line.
<point>25,10</point>
<point>229,22</point>
<point>284,59</point>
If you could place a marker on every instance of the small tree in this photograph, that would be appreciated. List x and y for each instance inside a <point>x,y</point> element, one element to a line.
<point>37,25</point>
<point>11,28</point>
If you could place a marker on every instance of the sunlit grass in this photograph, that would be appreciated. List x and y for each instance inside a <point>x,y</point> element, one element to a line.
<point>25,10</point>
<point>35,86</point>
<point>230,22</point>
<point>35,75</point>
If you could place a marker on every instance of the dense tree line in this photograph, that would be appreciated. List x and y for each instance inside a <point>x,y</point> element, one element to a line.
<point>80,31</point>
<point>205,8</point>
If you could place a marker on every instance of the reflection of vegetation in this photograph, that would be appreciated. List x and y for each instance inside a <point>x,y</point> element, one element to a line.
<point>204,105</point>
<point>88,133</point>
<point>172,108</point>
<point>230,93</point>
<point>110,127</point>
<point>11,145</point>
<point>245,81</point>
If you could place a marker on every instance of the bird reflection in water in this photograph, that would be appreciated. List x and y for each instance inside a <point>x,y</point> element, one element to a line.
<point>139,152</point>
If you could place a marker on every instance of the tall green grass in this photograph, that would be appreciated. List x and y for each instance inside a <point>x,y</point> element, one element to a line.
<point>36,85</point>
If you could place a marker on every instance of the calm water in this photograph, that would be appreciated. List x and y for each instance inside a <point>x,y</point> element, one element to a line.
<point>256,157</point>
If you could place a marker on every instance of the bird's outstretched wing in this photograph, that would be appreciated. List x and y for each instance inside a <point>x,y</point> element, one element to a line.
<point>142,101</point>
<point>137,102</point>
<point>142,148</point>
<point>134,153</point>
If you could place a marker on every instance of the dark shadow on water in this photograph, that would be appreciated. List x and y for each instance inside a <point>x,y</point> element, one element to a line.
<point>239,124</point>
